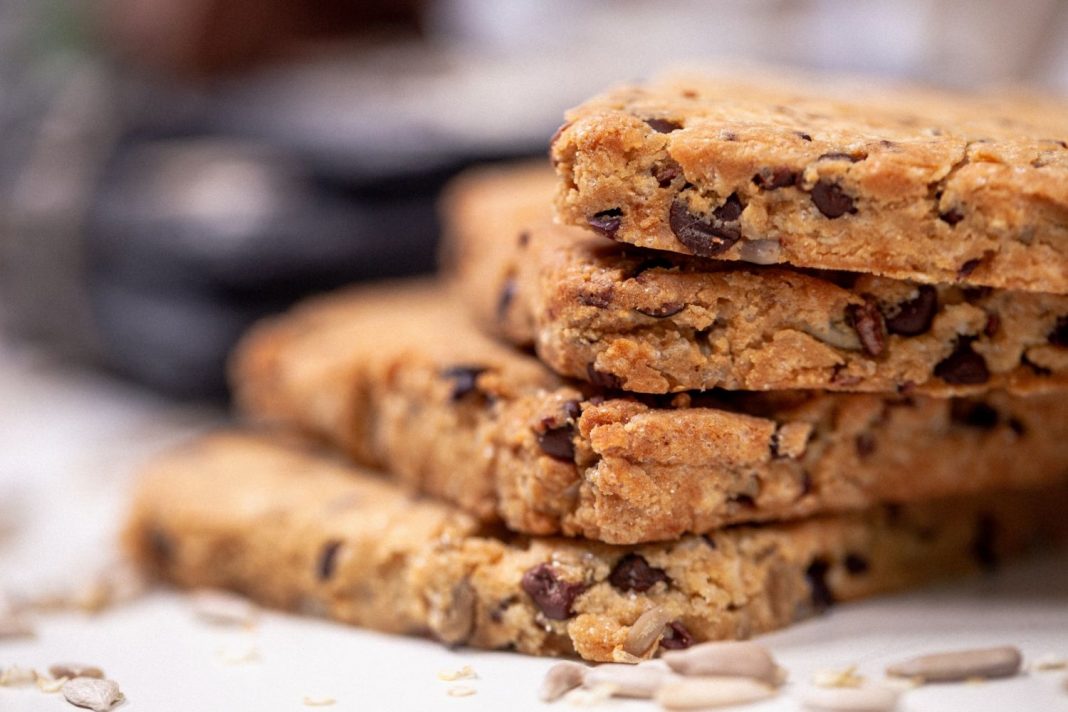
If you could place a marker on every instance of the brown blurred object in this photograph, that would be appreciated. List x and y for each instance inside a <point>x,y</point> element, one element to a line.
<point>205,37</point>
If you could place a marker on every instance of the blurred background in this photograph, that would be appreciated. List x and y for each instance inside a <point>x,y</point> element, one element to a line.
<point>170,170</point>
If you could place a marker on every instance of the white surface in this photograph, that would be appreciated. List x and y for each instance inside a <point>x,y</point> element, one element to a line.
<point>69,443</point>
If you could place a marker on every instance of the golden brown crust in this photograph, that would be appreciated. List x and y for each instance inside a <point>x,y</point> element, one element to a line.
<point>294,530</point>
<point>659,323</point>
<point>897,182</point>
<point>398,378</point>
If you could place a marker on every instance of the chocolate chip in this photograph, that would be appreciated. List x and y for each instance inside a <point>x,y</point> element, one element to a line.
<point>676,637</point>
<point>604,380</point>
<point>1059,335</point>
<point>662,311</point>
<point>633,573</point>
<point>984,543</point>
<point>524,238</point>
<point>803,136</point>
<point>606,222</point>
<point>573,409</point>
<point>856,564</point>
<point>951,217</point>
<point>324,569</point>
<point>865,444</point>
<point>599,299</point>
<point>837,156</point>
<point>831,200</point>
<point>551,595</point>
<point>775,178</point>
<point>558,442</point>
<point>663,125</point>
<point>504,301</point>
<point>867,321</point>
<point>968,267</point>
<point>465,380</point>
<point>974,415</point>
<point>963,367</point>
<point>708,236</point>
<point>816,573</point>
<point>993,323</point>
<point>1017,426</point>
<point>160,546</point>
<point>666,173</point>
<point>915,316</point>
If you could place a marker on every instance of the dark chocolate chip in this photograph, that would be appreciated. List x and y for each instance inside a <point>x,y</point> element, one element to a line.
<point>606,222</point>
<point>867,321</point>
<point>865,444</point>
<point>816,573</point>
<point>160,546</point>
<point>664,174</point>
<point>708,236</point>
<point>558,442</point>
<point>831,200</point>
<point>975,415</point>
<point>600,299</point>
<point>963,367</point>
<point>676,637</point>
<point>324,568</point>
<point>984,543</point>
<point>662,311</point>
<point>951,217</point>
<point>504,301</point>
<point>775,178</point>
<point>803,136</point>
<point>1059,335</point>
<point>837,156</point>
<point>968,267</point>
<point>604,380</point>
<point>856,564</point>
<point>524,238</point>
<point>663,125</point>
<point>633,573</point>
<point>551,595</point>
<point>465,380</point>
<point>1017,426</point>
<point>915,316</point>
<point>993,323</point>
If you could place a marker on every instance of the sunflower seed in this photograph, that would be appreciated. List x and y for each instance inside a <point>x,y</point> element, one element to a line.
<point>559,679</point>
<point>641,681</point>
<point>310,701</point>
<point>16,676</point>
<point>872,698</point>
<point>73,670</point>
<point>846,677</point>
<point>703,692</point>
<point>91,693</point>
<point>645,631</point>
<point>223,608</point>
<point>727,658</point>
<point>461,691</point>
<point>49,685</point>
<point>961,665</point>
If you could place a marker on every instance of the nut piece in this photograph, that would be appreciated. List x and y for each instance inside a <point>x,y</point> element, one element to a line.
<point>725,658</point>
<point>761,252</point>
<point>223,608</point>
<point>73,670</point>
<point>702,692</point>
<point>91,693</point>
<point>961,665</point>
<point>15,676</point>
<point>641,681</point>
<point>559,679</point>
<point>872,698</point>
<point>645,631</point>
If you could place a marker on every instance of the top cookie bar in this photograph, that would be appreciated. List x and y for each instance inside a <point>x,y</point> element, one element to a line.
<point>896,182</point>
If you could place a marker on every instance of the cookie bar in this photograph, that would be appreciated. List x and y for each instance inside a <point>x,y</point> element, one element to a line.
<point>657,323</point>
<point>401,381</point>
<point>301,532</point>
<point>898,182</point>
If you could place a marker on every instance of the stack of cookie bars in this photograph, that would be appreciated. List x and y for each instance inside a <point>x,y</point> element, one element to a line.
<point>779,348</point>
